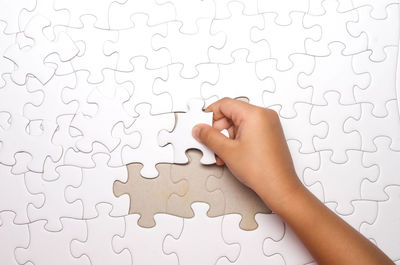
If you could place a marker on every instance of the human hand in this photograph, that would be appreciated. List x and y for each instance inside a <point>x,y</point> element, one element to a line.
<point>255,152</point>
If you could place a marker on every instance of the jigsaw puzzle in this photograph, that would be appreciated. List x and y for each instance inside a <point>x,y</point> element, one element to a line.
<point>98,99</point>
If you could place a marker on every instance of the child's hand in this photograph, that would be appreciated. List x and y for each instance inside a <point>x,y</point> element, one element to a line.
<point>256,151</point>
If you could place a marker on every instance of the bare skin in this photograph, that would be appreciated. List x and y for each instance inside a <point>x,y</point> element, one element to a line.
<point>257,154</point>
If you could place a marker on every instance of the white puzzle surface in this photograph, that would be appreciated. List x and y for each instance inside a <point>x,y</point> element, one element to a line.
<point>87,87</point>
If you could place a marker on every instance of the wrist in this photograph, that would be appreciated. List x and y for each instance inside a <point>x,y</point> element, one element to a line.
<point>282,198</point>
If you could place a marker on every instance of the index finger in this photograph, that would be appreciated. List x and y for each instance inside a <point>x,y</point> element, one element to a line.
<point>232,109</point>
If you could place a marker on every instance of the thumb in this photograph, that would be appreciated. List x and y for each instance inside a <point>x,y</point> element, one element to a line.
<point>212,138</point>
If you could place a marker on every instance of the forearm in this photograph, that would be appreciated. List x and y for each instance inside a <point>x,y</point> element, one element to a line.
<point>329,239</point>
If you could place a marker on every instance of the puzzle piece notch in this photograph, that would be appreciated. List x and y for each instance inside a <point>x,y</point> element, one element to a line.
<point>97,245</point>
<point>239,199</point>
<point>213,245</point>
<point>149,153</point>
<point>77,9</point>
<point>120,14</point>
<point>190,12</point>
<point>237,28</point>
<point>379,9</point>
<point>181,137</point>
<point>140,189</point>
<point>222,11</point>
<point>195,174</point>
<point>365,211</point>
<point>147,244</point>
<point>96,187</point>
<point>284,9</point>
<point>42,47</point>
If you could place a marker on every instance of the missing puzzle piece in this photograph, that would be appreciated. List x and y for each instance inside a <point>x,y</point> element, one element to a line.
<point>140,189</point>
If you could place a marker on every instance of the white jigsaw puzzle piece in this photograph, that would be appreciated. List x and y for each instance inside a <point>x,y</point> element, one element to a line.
<point>235,80</point>
<point>189,49</point>
<point>285,40</point>
<point>177,86</point>
<point>251,242</point>
<point>237,28</point>
<point>57,242</point>
<point>37,53</point>
<point>343,79</point>
<point>97,245</point>
<point>333,24</point>
<point>382,74</point>
<point>15,197</point>
<point>55,205</point>
<point>341,182</point>
<point>181,137</point>
<point>213,245</point>
<point>128,45</point>
<point>289,248</point>
<point>283,81</point>
<point>149,152</point>
<point>97,187</point>
<point>146,244</point>
<point>369,126</point>
<point>335,114</point>
<point>380,32</point>
<point>388,169</point>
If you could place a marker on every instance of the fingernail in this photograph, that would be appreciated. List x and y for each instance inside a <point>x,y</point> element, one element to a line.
<point>196,132</point>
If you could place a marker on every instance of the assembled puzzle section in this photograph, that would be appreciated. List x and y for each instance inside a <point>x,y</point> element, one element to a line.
<point>97,103</point>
